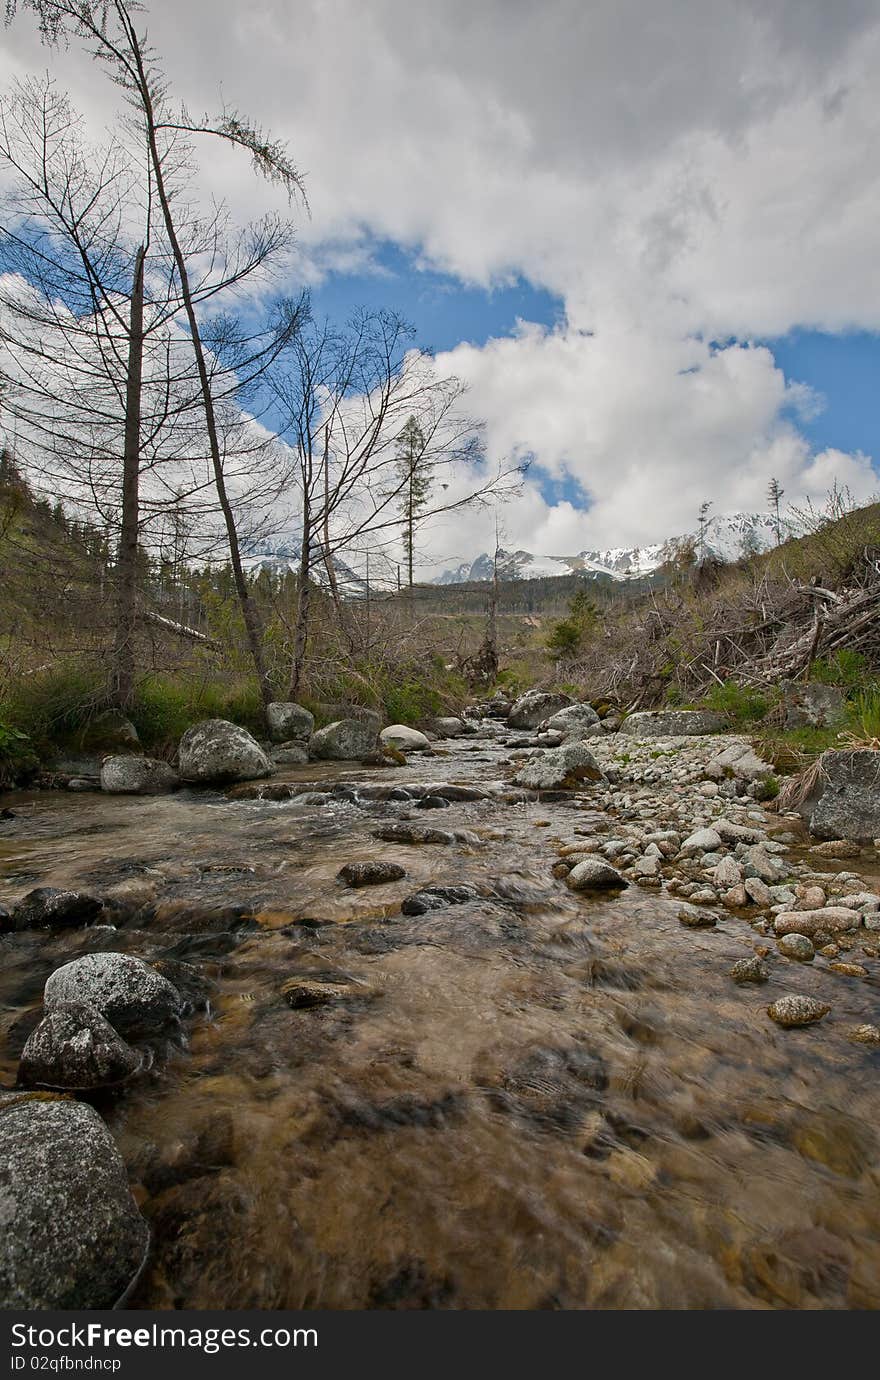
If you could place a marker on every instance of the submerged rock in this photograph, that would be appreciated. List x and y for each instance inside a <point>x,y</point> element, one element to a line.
<point>72,1236</point>
<point>130,994</point>
<point>137,776</point>
<point>302,993</point>
<point>74,1048</point>
<point>47,907</point>
<point>695,919</point>
<point>831,919</point>
<point>795,1010</point>
<point>346,740</point>
<point>370,873</point>
<point>750,970</point>
<point>437,898</point>
<point>412,833</point>
<point>217,752</point>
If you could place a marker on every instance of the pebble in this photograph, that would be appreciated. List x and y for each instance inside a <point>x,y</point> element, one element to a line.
<point>865,1034</point>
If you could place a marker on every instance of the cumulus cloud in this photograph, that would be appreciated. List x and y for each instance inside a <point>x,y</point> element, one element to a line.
<point>679,173</point>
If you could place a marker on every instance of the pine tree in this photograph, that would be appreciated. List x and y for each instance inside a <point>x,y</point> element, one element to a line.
<point>775,495</point>
<point>415,486</point>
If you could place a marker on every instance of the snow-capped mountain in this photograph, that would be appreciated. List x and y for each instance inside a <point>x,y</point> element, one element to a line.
<point>728,536</point>
<point>283,553</point>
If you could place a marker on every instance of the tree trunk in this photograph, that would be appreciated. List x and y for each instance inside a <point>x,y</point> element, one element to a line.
<point>126,565</point>
<point>304,599</point>
<point>250,613</point>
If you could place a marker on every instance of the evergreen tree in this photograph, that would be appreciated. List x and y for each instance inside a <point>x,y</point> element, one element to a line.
<point>415,485</point>
<point>775,495</point>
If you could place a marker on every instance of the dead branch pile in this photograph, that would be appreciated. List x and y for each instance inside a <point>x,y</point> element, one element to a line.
<point>755,628</point>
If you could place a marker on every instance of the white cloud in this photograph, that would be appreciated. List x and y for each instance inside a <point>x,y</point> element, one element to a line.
<point>678,172</point>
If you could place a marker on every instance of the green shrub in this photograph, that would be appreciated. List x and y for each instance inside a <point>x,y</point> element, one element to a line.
<point>164,708</point>
<point>17,758</point>
<point>845,668</point>
<point>741,703</point>
<point>55,706</point>
<point>865,713</point>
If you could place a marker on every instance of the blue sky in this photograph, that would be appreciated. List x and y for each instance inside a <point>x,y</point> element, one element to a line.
<point>444,310</point>
<point>845,370</point>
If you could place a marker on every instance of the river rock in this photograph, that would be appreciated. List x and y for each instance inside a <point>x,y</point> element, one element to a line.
<point>831,919</point>
<point>137,776</point>
<point>74,1048</point>
<point>559,768</point>
<point>795,1009</point>
<point>532,708</point>
<point>290,755</point>
<point>797,946</point>
<point>574,722</point>
<point>370,873</point>
<point>405,739</point>
<point>694,919</point>
<point>673,723</point>
<point>346,740</point>
<point>412,833</point>
<point>594,875</point>
<point>701,841</point>
<point>449,727</point>
<point>48,908</point>
<point>437,898</point>
<point>287,721</point>
<point>130,994</point>
<point>837,848</point>
<point>303,993</point>
<point>72,1236</point>
<point>217,751</point>
<point>750,970</point>
<point>848,804</point>
<point>739,760</point>
<point>727,873</point>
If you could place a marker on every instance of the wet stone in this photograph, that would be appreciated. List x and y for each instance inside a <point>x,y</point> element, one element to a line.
<point>75,1048</point>
<point>49,908</point>
<point>797,946</point>
<point>437,898</point>
<point>750,970</point>
<point>302,993</point>
<point>695,919</point>
<point>797,1010</point>
<point>370,873</point>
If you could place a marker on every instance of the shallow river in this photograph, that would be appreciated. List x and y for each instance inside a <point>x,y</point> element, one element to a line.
<point>536,1100</point>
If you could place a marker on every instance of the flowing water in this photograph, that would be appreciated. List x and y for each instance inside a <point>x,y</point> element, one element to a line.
<point>535,1100</point>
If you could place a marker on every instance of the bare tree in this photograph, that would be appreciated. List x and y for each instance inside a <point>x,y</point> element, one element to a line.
<point>108,27</point>
<point>344,398</point>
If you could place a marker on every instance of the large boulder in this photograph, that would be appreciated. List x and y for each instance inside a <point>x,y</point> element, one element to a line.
<point>74,1049</point>
<point>574,722</point>
<point>673,723</point>
<point>848,803</point>
<point>450,727</point>
<point>288,721</point>
<point>532,708</point>
<point>812,705</point>
<point>347,740</point>
<point>740,761</point>
<point>71,1235</point>
<point>217,751</point>
<point>50,908</point>
<point>137,776</point>
<point>559,768</point>
<point>332,713</point>
<point>405,739</point>
<point>127,992</point>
